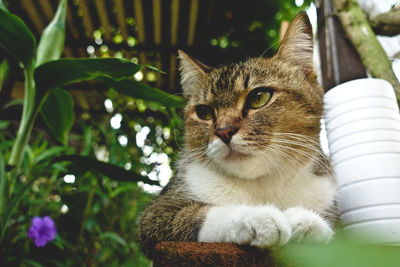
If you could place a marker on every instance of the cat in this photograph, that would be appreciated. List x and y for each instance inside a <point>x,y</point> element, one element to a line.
<point>251,170</point>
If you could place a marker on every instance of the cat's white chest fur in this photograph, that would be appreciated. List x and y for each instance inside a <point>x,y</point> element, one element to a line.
<point>262,212</point>
<point>303,189</point>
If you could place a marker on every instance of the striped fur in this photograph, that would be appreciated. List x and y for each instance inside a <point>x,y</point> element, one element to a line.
<point>271,183</point>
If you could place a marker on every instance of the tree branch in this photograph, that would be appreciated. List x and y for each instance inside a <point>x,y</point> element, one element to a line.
<point>387,23</point>
<point>360,34</point>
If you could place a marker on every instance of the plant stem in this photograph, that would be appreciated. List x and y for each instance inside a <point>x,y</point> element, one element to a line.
<point>86,213</point>
<point>29,114</point>
<point>3,184</point>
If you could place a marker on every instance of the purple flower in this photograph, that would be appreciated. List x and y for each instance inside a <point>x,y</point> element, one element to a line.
<point>42,230</point>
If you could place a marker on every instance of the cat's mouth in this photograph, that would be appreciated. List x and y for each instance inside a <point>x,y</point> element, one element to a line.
<point>235,155</point>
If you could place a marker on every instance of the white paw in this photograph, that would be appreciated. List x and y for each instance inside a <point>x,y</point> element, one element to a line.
<point>308,226</point>
<point>262,227</point>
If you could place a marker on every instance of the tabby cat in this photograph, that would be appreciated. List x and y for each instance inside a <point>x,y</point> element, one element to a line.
<point>251,171</point>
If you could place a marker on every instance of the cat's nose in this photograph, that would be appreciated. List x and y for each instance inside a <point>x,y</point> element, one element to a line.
<point>226,133</point>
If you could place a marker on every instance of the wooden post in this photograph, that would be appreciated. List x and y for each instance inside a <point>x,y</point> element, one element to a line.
<point>340,61</point>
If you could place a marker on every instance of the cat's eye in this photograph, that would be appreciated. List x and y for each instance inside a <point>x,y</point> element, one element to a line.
<point>204,112</point>
<point>259,97</point>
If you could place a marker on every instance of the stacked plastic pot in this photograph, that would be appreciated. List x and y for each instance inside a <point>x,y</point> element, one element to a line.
<point>363,127</point>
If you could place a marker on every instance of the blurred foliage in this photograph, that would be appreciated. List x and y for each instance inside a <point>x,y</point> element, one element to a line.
<point>96,213</point>
<point>247,29</point>
<point>341,252</point>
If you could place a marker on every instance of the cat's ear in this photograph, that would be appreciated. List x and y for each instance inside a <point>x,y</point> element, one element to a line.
<point>297,44</point>
<point>192,72</point>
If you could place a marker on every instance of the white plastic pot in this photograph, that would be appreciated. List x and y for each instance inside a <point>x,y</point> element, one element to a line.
<point>363,128</point>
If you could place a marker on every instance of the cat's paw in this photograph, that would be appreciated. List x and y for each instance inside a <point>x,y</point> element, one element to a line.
<point>308,226</point>
<point>261,227</point>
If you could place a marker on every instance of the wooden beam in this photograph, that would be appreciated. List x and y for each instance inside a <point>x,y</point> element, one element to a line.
<point>102,11</point>
<point>172,70</point>
<point>157,21</point>
<point>68,52</point>
<point>138,10</point>
<point>340,61</point>
<point>121,18</point>
<point>174,41</point>
<point>87,20</point>
<point>138,7</point>
<point>47,9</point>
<point>82,52</point>
<point>33,15</point>
<point>174,21</point>
<point>194,8</point>
<point>70,23</point>
<point>157,36</point>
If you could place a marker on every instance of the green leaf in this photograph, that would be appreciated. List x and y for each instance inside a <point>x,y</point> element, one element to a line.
<point>50,153</point>
<point>12,103</point>
<point>3,181</point>
<point>139,90</point>
<point>114,172</point>
<point>58,113</point>
<point>12,204</point>
<point>4,124</point>
<point>3,6</point>
<point>155,69</point>
<point>32,263</point>
<point>57,73</point>
<point>114,237</point>
<point>4,68</point>
<point>87,140</point>
<point>51,44</point>
<point>16,38</point>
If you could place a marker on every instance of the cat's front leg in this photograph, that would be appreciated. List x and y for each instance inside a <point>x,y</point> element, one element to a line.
<point>261,226</point>
<point>308,226</point>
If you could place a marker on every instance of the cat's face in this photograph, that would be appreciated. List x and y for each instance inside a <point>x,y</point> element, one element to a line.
<point>249,119</point>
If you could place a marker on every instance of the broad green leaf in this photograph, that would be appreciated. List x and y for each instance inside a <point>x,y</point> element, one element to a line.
<point>139,90</point>
<point>51,44</point>
<point>57,73</point>
<point>58,113</point>
<point>16,38</point>
<point>84,163</point>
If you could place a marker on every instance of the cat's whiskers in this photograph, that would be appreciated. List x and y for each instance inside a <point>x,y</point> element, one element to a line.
<point>301,140</point>
<point>270,155</point>
<point>278,166</point>
<point>292,151</point>
<point>312,142</point>
<point>264,52</point>
<point>289,152</point>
